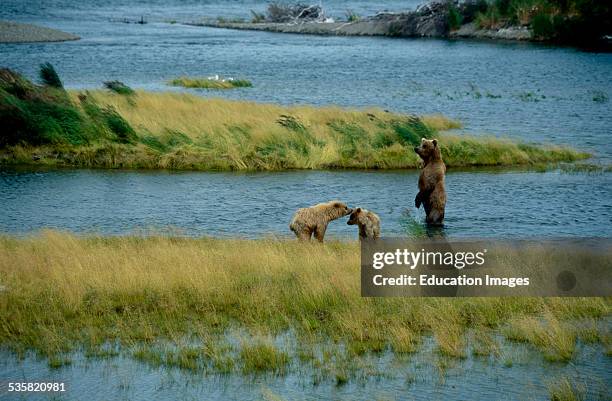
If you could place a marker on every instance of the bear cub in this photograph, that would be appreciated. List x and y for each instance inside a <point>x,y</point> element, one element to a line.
<point>368,222</point>
<point>432,194</point>
<point>314,220</point>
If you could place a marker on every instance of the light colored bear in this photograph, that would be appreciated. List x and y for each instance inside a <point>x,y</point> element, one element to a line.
<point>368,222</point>
<point>314,220</point>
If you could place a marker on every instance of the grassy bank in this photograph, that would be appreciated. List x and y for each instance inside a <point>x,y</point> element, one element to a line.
<point>102,295</point>
<point>210,83</point>
<point>45,125</point>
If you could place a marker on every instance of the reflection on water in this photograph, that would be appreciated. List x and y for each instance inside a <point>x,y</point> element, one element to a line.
<point>480,204</point>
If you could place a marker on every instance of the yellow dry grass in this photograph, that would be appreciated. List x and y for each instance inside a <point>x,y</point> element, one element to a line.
<point>61,292</point>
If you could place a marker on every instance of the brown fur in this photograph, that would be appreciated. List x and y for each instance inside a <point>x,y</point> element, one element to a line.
<point>368,222</point>
<point>432,193</point>
<point>314,220</point>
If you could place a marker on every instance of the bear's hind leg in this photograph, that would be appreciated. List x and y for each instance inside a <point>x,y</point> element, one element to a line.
<point>435,217</point>
<point>320,233</point>
<point>304,235</point>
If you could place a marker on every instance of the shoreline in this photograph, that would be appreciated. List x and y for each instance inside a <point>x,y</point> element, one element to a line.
<point>444,20</point>
<point>16,32</point>
<point>371,28</point>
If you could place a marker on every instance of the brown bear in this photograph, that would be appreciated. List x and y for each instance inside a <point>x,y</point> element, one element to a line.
<point>368,222</point>
<point>431,182</point>
<point>314,219</point>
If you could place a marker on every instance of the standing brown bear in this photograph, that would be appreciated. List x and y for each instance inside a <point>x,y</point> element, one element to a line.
<point>314,219</point>
<point>431,182</point>
<point>368,222</point>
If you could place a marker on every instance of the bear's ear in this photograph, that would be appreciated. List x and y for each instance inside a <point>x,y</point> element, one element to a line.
<point>435,142</point>
<point>337,204</point>
<point>423,140</point>
<point>358,210</point>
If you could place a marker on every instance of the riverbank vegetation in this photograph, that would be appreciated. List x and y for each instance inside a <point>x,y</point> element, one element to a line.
<point>568,21</point>
<point>210,83</point>
<point>121,128</point>
<point>250,306</point>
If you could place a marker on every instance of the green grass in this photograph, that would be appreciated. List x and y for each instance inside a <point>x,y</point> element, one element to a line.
<point>34,115</point>
<point>263,357</point>
<point>205,83</point>
<point>49,76</point>
<point>119,87</point>
<point>106,129</point>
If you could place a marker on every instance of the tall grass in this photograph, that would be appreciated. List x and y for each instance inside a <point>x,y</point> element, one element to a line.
<point>566,390</point>
<point>61,292</point>
<point>49,76</point>
<point>34,115</point>
<point>182,131</point>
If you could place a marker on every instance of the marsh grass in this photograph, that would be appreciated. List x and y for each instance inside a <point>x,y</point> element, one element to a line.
<point>180,131</point>
<point>263,356</point>
<point>483,343</point>
<point>119,88</point>
<point>65,293</point>
<point>565,390</point>
<point>208,83</point>
<point>186,132</point>
<point>548,334</point>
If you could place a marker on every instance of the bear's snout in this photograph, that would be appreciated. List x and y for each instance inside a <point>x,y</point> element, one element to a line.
<point>416,149</point>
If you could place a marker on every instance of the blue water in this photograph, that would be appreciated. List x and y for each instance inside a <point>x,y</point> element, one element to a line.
<point>535,93</point>
<point>481,204</point>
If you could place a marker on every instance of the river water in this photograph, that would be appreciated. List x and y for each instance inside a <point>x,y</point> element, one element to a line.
<point>482,204</point>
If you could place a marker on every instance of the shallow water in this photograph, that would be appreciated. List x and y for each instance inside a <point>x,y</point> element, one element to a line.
<point>520,374</point>
<point>526,91</point>
<point>481,203</point>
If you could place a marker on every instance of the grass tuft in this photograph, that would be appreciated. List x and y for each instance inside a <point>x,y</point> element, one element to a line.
<point>565,390</point>
<point>49,76</point>
<point>119,88</point>
<point>263,357</point>
<point>556,340</point>
<point>209,83</point>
